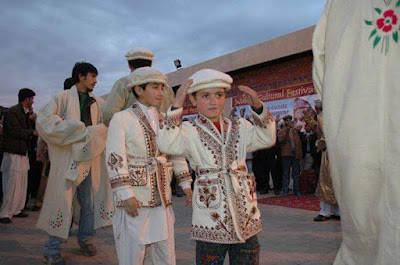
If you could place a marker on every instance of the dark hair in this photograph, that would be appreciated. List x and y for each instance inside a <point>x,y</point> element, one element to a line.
<point>138,63</point>
<point>25,93</point>
<point>134,92</point>
<point>68,83</point>
<point>82,68</point>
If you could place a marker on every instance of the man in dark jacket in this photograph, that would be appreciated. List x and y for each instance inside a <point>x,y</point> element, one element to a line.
<point>308,139</point>
<point>16,140</point>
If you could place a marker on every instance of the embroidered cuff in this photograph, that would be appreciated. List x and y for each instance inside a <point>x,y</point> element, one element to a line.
<point>183,176</point>
<point>173,119</point>
<point>263,119</point>
<point>120,181</point>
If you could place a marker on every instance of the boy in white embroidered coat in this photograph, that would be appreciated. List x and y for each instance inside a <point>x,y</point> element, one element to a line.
<point>140,176</point>
<point>121,97</point>
<point>225,213</point>
<point>70,124</point>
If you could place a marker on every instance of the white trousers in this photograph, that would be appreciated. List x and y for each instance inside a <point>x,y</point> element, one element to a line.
<point>130,252</point>
<point>15,185</point>
<point>327,209</point>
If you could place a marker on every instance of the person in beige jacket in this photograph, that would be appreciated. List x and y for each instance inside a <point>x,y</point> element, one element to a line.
<point>121,97</point>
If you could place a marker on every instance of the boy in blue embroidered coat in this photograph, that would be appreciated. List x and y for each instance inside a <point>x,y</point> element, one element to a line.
<point>225,213</point>
<point>140,176</point>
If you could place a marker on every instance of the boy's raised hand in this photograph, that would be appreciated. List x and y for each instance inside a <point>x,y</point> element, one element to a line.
<point>181,93</point>
<point>252,97</point>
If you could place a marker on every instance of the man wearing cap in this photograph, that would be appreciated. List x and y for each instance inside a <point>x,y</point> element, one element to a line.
<point>121,97</point>
<point>226,218</point>
<point>17,138</point>
<point>71,126</point>
<point>291,150</point>
<point>140,176</point>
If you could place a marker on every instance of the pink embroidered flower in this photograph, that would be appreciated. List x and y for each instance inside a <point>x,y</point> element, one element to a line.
<point>387,22</point>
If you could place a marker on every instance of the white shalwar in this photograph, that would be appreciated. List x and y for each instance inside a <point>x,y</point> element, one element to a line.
<point>15,181</point>
<point>357,70</point>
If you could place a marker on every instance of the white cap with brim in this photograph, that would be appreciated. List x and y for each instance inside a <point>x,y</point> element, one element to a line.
<point>145,75</point>
<point>139,53</point>
<point>209,78</point>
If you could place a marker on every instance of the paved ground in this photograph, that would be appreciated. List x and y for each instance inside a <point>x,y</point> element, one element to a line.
<point>289,237</point>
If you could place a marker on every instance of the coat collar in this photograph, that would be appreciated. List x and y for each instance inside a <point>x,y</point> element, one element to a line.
<point>137,110</point>
<point>221,137</point>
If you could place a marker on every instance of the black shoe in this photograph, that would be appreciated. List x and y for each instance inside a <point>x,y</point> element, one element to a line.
<point>277,192</point>
<point>284,194</point>
<point>335,217</point>
<point>320,218</point>
<point>298,194</point>
<point>89,249</point>
<point>5,220</point>
<point>21,215</point>
<point>34,208</point>
<point>54,259</point>
<point>264,192</point>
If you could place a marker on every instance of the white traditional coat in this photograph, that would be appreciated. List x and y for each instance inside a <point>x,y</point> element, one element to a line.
<point>74,151</point>
<point>224,197</point>
<point>357,71</point>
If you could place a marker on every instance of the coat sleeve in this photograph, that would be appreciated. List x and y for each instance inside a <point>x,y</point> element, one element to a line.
<point>262,134</point>
<point>115,101</point>
<point>181,171</point>
<point>171,136</point>
<point>116,159</point>
<point>318,47</point>
<point>56,130</point>
<point>14,129</point>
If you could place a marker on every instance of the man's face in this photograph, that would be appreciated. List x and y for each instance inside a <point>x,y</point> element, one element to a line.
<point>209,102</point>
<point>89,81</point>
<point>152,94</point>
<point>30,102</point>
<point>242,111</point>
<point>307,128</point>
<point>288,122</point>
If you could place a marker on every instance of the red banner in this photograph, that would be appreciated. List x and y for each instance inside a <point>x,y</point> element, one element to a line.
<point>285,93</point>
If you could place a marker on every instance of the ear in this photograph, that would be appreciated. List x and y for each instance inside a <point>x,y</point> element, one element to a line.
<point>138,90</point>
<point>193,100</point>
<point>81,77</point>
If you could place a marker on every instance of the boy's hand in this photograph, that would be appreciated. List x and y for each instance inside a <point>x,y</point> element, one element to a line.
<point>252,97</point>
<point>181,93</point>
<point>188,193</point>
<point>131,206</point>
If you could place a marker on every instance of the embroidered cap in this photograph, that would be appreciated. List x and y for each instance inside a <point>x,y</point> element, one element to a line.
<point>287,117</point>
<point>209,78</point>
<point>139,53</point>
<point>146,75</point>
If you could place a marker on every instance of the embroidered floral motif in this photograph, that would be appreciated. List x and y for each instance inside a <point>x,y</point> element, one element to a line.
<point>207,194</point>
<point>138,174</point>
<point>386,26</point>
<point>263,123</point>
<point>74,165</point>
<point>105,214</point>
<point>57,222</point>
<point>183,176</point>
<point>172,121</point>
<point>115,161</point>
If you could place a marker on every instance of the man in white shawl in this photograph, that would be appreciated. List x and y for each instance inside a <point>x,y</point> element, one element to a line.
<point>70,125</point>
<point>357,70</point>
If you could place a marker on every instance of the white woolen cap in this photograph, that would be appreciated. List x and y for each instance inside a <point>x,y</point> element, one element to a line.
<point>209,78</point>
<point>144,75</point>
<point>139,53</point>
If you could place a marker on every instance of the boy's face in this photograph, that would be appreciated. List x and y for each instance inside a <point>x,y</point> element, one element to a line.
<point>151,95</point>
<point>209,102</point>
<point>89,81</point>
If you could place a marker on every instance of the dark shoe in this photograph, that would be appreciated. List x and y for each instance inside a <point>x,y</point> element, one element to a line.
<point>284,194</point>
<point>89,249</point>
<point>34,208</point>
<point>5,220</point>
<point>320,218</point>
<point>21,215</point>
<point>54,259</point>
<point>335,217</point>
<point>298,194</point>
<point>277,192</point>
<point>264,192</point>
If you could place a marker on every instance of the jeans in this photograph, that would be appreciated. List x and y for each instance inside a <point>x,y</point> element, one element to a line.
<point>86,230</point>
<point>287,163</point>
<point>247,253</point>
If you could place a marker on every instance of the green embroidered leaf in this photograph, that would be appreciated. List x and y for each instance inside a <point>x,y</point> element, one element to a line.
<point>372,33</point>
<point>377,40</point>
<point>368,22</point>
<point>398,4</point>
<point>378,10</point>
<point>396,36</point>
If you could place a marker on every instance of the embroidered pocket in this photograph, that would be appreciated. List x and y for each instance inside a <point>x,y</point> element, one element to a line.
<point>138,175</point>
<point>207,193</point>
<point>249,185</point>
